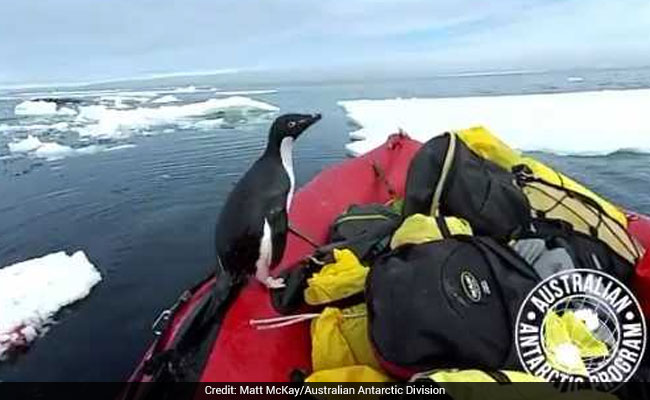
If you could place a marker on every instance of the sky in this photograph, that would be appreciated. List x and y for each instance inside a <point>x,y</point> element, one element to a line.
<point>43,41</point>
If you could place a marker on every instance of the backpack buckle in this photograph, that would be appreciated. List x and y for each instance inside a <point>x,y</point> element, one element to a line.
<point>523,173</point>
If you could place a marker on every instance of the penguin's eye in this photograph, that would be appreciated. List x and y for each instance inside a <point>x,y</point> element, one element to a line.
<point>291,124</point>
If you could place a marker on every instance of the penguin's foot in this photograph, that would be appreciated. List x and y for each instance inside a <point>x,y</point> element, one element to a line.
<point>274,283</point>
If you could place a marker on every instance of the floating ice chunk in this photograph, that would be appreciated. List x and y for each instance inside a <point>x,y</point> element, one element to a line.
<point>165,99</point>
<point>31,143</point>
<point>59,126</point>
<point>246,92</point>
<point>206,124</point>
<point>80,151</point>
<point>599,122</point>
<point>236,102</point>
<point>124,100</point>
<point>575,79</point>
<point>39,107</point>
<point>186,89</point>
<point>54,151</point>
<point>120,147</point>
<point>360,147</point>
<point>32,291</point>
<point>105,122</point>
<point>118,102</point>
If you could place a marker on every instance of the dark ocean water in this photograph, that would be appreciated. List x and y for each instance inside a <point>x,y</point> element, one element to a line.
<point>145,215</point>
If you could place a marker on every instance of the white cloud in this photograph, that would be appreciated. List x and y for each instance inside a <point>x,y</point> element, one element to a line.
<point>598,33</point>
<point>88,40</point>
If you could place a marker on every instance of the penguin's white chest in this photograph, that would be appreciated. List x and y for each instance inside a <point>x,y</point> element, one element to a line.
<point>266,253</point>
<point>286,154</point>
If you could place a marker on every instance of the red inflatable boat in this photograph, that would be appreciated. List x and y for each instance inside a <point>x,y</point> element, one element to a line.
<point>242,353</point>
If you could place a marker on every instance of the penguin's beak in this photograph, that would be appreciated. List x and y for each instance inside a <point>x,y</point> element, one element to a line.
<point>307,121</point>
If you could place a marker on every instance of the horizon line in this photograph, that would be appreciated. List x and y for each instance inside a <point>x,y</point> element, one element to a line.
<point>143,77</point>
<point>460,73</point>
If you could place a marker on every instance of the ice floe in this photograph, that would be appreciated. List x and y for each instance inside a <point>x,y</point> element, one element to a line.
<point>59,126</point>
<point>53,128</point>
<point>33,145</point>
<point>166,99</point>
<point>56,124</point>
<point>125,93</point>
<point>33,291</point>
<point>101,121</point>
<point>30,143</point>
<point>204,124</point>
<point>120,147</point>
<point>55,151</point>
<point>246,92</point>
<point>124,101</point>
<point>41,107</point>
<point>597,122</point>
<point>51,151</point>
<point>6,128</point>
<point>186,89</point>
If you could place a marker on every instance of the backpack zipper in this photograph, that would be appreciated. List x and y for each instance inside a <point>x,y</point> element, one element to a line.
<point>360,218</point>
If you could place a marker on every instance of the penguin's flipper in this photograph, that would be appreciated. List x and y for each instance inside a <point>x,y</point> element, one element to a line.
<point>279,222</point>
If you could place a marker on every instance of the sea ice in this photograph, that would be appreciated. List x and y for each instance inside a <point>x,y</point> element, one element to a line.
<point>33,291</point>
<point>54,151</point>
<point>589,123</point>
<point>31,107</point>
<point>166,99</point>
<point>105,122</point>
<point>28,144</point>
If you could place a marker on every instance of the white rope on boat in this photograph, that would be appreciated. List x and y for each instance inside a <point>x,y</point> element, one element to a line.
<point>279,322</point>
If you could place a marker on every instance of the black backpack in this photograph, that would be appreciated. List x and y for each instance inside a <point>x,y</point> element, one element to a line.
<point>447,304</point>
<point>446,175</point>
<point>364,229</point>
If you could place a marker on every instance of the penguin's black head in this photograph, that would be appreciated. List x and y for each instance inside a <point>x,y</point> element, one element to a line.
<point>291,125</point>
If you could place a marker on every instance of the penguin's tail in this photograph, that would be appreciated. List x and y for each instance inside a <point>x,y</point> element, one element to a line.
<point>224,291</point>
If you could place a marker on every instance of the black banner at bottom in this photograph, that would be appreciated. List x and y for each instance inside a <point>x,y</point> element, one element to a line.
<point>325,391</point>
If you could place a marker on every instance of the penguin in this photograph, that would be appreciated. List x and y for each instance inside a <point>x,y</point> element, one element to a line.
<point>251,231</point>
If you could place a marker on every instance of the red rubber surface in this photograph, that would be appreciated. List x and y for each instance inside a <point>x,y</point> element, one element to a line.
<point>639,227</point>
